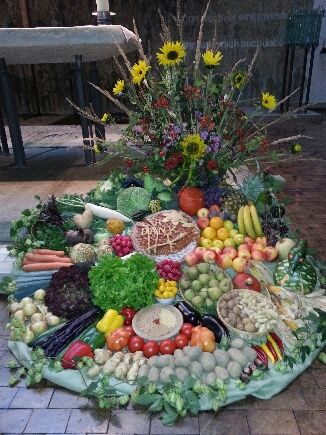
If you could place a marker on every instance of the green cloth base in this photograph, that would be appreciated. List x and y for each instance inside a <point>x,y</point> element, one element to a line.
<point>271,385</point>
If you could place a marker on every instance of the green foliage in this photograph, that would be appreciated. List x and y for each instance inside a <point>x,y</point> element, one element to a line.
<point>116,283</point>
<point>107,396</point>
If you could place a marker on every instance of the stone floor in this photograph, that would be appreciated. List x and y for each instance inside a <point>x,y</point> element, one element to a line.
<point>300,409</point>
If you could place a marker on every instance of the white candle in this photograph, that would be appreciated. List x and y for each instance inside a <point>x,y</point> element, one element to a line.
<point>102,5</point>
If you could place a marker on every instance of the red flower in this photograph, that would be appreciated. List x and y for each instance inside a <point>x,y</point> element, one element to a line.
<point>212,165</point>
<point>173,161</point>
<point>206,123</point>
<point>264,144</point>
<point>191,92</point>
<point>242,147</point>
<point>145,169</point>
<point>129,163</point>
<point>161,103</point>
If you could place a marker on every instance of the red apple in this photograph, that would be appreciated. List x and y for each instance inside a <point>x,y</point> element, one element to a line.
<point>243,248</point>
<point>271,253</point>
<point>229,250</point>
<point>249,241</point>
<point>258,255</point>
<point>244,280</point>
<point>239,264</point>
<point>257,247</point>
<point>202,222</point>
<point>192,259</point>
<point>202,213</point>
<point>209,256</point>
<point>224,261</point>
<point>261,241</point>
<point>244,254</point>
<point>217,250</point>
<point>199,251</point>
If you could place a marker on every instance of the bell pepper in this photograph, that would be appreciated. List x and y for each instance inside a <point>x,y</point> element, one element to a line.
<point>261,354</point>
<point>93,337</point>
<point>77,350</point>
<point>269,352</point>
<point>111,321</point>
<point>275,347</point>
<point>128,314</point>
<point>277,340</point>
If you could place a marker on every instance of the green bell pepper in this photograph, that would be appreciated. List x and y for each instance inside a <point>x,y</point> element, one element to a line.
<point>93,337</point>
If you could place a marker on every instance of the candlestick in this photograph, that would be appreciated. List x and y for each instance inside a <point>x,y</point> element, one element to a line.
<point>102,5</point>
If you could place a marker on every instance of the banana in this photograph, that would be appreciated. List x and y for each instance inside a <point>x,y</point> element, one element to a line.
<point>255,220</point>
<point>241,225</point>
<point>248,222</point>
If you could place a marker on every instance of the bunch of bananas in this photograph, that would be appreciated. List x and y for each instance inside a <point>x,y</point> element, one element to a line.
<point>166,289</point>
<point>249,222</point>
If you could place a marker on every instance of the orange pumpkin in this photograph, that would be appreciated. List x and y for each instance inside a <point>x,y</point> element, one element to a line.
<point>191,199</point>
<point>203,337</point>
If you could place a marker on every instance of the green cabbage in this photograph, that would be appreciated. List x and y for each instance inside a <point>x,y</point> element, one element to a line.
<point>132,199</point>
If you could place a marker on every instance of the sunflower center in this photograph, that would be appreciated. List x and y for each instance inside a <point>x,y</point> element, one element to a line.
<point>193,148</point>
<point>172,55</point>
<point>140,72</point>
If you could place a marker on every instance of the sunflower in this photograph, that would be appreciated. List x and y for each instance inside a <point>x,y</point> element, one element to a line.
<point>119,87</point>
<point>193,146</point>
<point>210,59</point>
<point>296,148</point>
<point>139,71</point>
<point>268,101</point>
<point>238,80</point>
<point>171,54</point>
<point>105,117</point>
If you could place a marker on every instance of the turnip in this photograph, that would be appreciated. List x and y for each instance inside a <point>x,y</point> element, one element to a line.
<point>29,309</point>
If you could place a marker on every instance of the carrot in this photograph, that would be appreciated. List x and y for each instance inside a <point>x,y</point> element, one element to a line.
<point>49,252</point>
<point>42,258</point>
<point>38,267</point>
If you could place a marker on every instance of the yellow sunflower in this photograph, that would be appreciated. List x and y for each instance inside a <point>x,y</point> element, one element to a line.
<point>193,146</point>
<point>238,80</point>
<point>171,54</point>
<point>139,71</point>
<point>119,87</point>
<point>212,59</point>
<point>268,101</point>
<point>105,117</point>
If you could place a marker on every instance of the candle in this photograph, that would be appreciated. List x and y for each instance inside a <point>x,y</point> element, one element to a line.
<point>102,5</point>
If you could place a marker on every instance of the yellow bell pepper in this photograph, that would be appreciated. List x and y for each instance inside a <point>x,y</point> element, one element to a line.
<point>111,321</point>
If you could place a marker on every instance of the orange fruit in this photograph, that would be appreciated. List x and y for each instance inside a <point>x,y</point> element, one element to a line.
<point>222,233</point>
<point>216,222</point>
<point>209,233</point>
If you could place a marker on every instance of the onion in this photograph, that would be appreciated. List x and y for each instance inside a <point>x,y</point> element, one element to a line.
<point>19,315</point>
<point>39,295</point>
<point>25,301</point>
<point>38,327</point>
<point>14,306</point>
<point>28,336</point>
<point>36,317</point>
<point>29,309</point>
<point>52,320</point>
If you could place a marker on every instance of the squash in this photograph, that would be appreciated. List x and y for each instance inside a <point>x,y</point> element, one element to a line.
<point>191,200</point>
<point>296,272</point>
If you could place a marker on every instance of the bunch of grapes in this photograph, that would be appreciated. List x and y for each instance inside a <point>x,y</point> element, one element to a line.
<point>169,269</point>
<point>274,226</point>
<point>121,245</point>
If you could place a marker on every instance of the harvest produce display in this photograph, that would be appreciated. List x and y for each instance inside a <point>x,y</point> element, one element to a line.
<point>172,284</point>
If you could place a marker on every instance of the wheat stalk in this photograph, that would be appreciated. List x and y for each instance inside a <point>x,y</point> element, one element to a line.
<point>87,113</point>
<point>166,35</point>
<point>179,19</point>
<point>138,42</point>
<point>200,37</point>
<point>290,139</point>
<point>114,100</point>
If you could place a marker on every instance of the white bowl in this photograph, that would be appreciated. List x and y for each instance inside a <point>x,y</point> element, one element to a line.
<point>164,301</point>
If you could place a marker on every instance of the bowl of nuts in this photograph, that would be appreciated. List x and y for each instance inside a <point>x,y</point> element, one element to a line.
<point>247,314</point>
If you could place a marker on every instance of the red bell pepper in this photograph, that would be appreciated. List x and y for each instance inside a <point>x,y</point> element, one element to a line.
<point>128,314</point>
<point>277,340</point>
<point>77,350</point>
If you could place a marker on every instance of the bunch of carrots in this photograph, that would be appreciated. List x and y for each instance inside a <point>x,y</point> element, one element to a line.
<point>45,259</point>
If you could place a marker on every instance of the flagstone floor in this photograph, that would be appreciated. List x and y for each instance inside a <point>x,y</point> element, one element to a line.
<point>300,409</point>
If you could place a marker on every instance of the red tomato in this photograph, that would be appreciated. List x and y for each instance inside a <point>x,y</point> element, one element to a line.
<point>186,330</point>
<point>135,343</point>
<point>150,348</point>
<point>167,347</point>
<point>181,341</point>
<point>130,331</point>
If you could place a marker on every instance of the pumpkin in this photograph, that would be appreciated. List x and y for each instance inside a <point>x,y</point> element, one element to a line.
<point>191,199</point>
<point>204,338</point>
<point>296,272</point>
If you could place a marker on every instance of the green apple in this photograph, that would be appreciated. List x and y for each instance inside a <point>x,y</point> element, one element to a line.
<point>192,272</point>
<point>225,285</point>
<point>213,283</point>
<point>204,278</point>
<point>228,225</point>
<point>239,239</point>
<point>189,295</point>
<point>184,283</point>
<point>217,243</point>
<point>203,267</point>
<point>229,242</point>
<point>196,286</point>
<point>215,293</point>
<point>197,301</point>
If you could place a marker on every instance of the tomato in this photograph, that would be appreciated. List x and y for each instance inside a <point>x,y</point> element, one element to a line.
<point>151,348</point>
<point>135,343</point>
<point>181,341</point>
<point>167,347</point>
<point>117,340</point>
<point>186,330</point>
<point>130,331</point>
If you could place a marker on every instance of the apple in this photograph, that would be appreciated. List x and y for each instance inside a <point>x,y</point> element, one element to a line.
<point>261,241</point>
<point>229,242</point>
<point>233,233</point>
<point>214,207</point>
<point>243,248</point>
<point>229,250</point>
<point>271,253</point>
<point>238,238</point>
<point>192,259</point>
<point>217,250</point>
<point>228,225</point>
<point>244,280</point>
<point>244,254</point>
<point>249,241</point>
<point>257,247</point>
<point>217,243</point>
<point>239,264</point>
<point>209,256</point>
<point>207,243</point>
<point>203,222</point>
<point>283,247</point>
<point>224,261</point>
<point>258,255</point>
<point>199,251</point>
<point>202,213</point>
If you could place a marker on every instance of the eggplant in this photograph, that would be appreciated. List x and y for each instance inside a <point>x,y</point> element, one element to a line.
<point>215,325</point>
<point>190,315</point>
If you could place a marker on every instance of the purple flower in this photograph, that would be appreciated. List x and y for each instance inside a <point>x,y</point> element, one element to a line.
<point>215,143</point>
<point>137,129</point>
<point>204,134</point>
<point>198,115</point>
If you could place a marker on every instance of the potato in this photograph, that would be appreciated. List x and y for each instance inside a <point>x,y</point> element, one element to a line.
<point>250,353</point>
<point>196,369</point>
<point>237,343</point>
<point>207,361</point>
<point>239,326</point>
<point>231,304</point>
<point>250,327</point>
<point>221,373</point>
<point>237,356</point>
<point>194,353</point>
<point>165,374</point>
<point>234,369</point>
<point>236,310</point>
<point>210,378</point>
<point>181,373</point>
<point>154,374</point>
<point>224,313</point>
<point>222,357</point>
